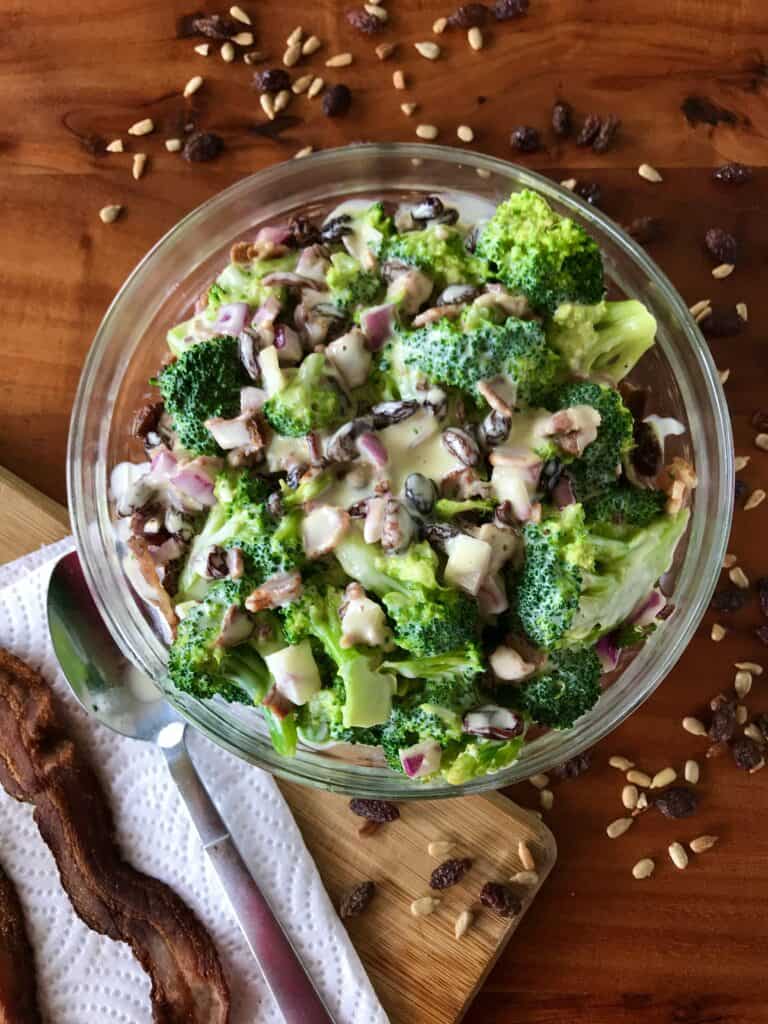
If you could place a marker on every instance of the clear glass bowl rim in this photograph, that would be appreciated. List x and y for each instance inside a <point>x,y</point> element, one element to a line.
<point>141,646</point>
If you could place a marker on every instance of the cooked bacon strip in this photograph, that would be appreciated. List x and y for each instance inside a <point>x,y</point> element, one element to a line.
<point>155,592</point>
<point>18,989</point>
<point>40,765</point>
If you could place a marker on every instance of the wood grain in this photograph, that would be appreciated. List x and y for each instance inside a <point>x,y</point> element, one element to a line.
<point>599,947</point>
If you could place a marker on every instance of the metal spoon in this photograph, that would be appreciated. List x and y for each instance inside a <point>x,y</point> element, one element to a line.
<point>109,687</point>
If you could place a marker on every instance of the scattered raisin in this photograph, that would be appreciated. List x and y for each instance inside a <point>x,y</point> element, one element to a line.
<point>721,244</point>
<point>646,229</point>
<point>721,323</point>
<point>722,724</point>
<point>525,139</point>
<point>730,600</point>
<point>499,897</point>
<point>740,490</point>
<point>272,80</point>
<point>589,191</point>
<point>506,10</point>
<point>303,231</point>
<point>646,456</point>
<point>677,802</point>
<point>216,26</point>
<point>337,100</point>
<point>746,753</point>
<point>606,135</point>
<point>469,16</point>
<point>562,119</point>
<point>589,130</point>
<point>762,594</point>
<point>733,174</point>
<point>575,766</point>
<point>374,810</point>
<point>364,22</point>
<point>357,899</point>
<point>759,420</point>
<point>762,635</point>
<point>202,146</point>
<point>449,872</point>
<point>146,419</point>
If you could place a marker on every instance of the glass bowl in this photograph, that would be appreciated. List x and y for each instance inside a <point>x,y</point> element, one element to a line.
<point>130,345</point>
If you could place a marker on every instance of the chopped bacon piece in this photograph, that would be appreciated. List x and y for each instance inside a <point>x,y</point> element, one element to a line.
<point>18,989</point>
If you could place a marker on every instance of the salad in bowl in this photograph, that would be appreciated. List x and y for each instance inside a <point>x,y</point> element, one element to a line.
<point>399,493</point>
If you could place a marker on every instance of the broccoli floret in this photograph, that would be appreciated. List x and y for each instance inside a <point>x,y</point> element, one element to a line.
<point>367,230</point>
<point>548,258</point>
<point>597,469</point>
<point>311,400</point>
<point>440,252</point>
<point>454,353</point>
<point>429,619</point>
<point>580,582</point>
<point>241,519</point>
<point>199,667</point>
<point>448,508</point>
<point>623,503</point>
<point>321,720</point>
<point>241,282</point>
<point>351,287</point>
<point>568,687</point>
<point>479,757</point>
<point>447,680</point>
<point>204,382</point>
<point>307,490</point>
<point>413,721</point>
<point>605,340</point>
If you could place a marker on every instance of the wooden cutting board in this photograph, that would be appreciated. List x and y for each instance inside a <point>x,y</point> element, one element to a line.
<point>421,973</point>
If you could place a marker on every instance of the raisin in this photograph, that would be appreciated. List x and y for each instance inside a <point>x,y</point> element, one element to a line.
<point>303,232</point>
<point>506,10</point>
<point>634,398</point>
<point>589,130</point>
<point>525,139</point>
<point>469,16</point>
<point>606,134</point>
<point>374,810</point>
<point>146,419</point>
<point>337,100</point>
<point>761,721</point>
<point>499,897</point>
<point>677,802</point>
<point>646,229</point>
<point>747,754</point>
<point>216,26</point>
<point>740,490</point>
<point>759,420</point>
<point>272,80</point>
<point>722,724</point>
<point>721,323</point>
<point>364,22</point>
<point>336,228</point>
<point>762,593</point>
<point>589,191</point>
<point>574,767</point>
<point>646,456</point>
<point>202,146</point>
<point>733,174</point>
<point>355,901</point>
<point>449,873</point>
<point>438,534</point>
<point>762,635</point>
<point>562,119</point>
<point>730,600</point>
<point>721,244</point>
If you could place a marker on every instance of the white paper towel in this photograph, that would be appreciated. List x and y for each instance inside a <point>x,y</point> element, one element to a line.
<point>84,977</point>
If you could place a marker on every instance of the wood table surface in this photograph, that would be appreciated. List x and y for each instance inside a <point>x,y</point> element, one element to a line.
<point>687,946</point>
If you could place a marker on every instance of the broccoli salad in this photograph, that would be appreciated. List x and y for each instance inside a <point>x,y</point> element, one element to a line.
<point>398,493</point>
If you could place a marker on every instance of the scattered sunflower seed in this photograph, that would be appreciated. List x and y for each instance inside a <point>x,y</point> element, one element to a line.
<point>316,87</point>
<point>622,763</point>
<point>462,923</point>
<point>717,633</point>
<point>618,827</point>
<point>282,100</point>
<point>540,781</point>
<point>739,577</point>
<point>703,843</point>
<point>243,39</point>
<point>704,314</point>
<point>138,165</point>
<point>254,57</point>
<point>750,666</point>
<point>310,46</point>
<point>761,441</point>
<point>678,855</point>
<point>239,15</point>
<point>426,131</point>
<point>639,778</point>
<point>649,173</point>
<point>699,307</point>
<point>525,878</point>
<point>385,50</point>
<point>227,52</point>
<point>377,11</point>
<point>429,50</point>
<point>663,778</point>
<point>398,79</point>
<point>268,105</point>
<point>295,36</point>
<point>692,772</point>
<point>424,906</point>
<point>193,85</point>
<point>642,804</point>
<point>754,733</point>
<point>466,134</point>
<point>438,26</point>
<point>526,857</point>
<point>724,375</point>
<point>694,726</point>
<point>144,127</point>
<point>757,497</point>
<point>741,309</point>
<point>569,183</point>
<point>741,462</point>
<point>723,270</point>
<point>302,84</point>
<point>109,214</point>
<point>643,869</point>
<point>475,38</point>
<point>629,795</point>
<point>742,684</point>
<point>481,172</point>
<point>173,145</point>
<point>305,151</point>
<point>729,560</point>
<point>340,60</point>
<point>292,55</point>
<point>115,146</point>
<point>741,715</point>
<point>409,109</point>
<point>546,799</point>
<point>203,49</point>
<point>440,848</point>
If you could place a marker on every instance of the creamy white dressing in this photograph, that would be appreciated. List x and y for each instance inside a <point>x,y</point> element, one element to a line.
<point>283,452</point>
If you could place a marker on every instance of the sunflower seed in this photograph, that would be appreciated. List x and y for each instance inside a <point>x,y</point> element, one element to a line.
<point>622,763</point>
<point>741,714</point>
<point>569,183</point>
<point>739,577</point>
<point>475,38</point>
<point>723,270</point>
<point>317,86</point>
<point>692,772</point>
<point>643,869</point>
<point>649,173</point>
<point>754,733</point>
<point>376,11</point>
<point>678,855</point>
<point>409,109</point>
<point>761,441</point>
<point>750,666</point>
<point>729,560</point>
<point>703,843</point>
<point>462,923</point>
<point>440,848</point>
<point>717,633</point>
<point>254,57</point>
<point>340,60</point>
<point>295,37</point>
<point>142,127</point>
<point>465,133</point>
<point>203,49</point>
<point>699,307</point>
<point>741,462</point>
<point>438,27</point>
<point>138,165</point>
<point>243,39</point>
<point>742,684</point>
<point>398,79</point>
<point>756,498</point>
<point>303,152</point>
<point>268,105</point>
<point>618,827</point>
<point>292,55</point>
<point>426,131</point>
<point>227,52</point>
<point>310,46</point>
<point>384,50</point>
<point>525,855</point>
<point>428,49</point>
<point>424,906</point>
<point>741,309</point>
<point>539,781</point>
<point>546,799</point>
<point>703,314</point>
<point>642,805</point>
<point>639,778</point>
<point>239,15</point>
<point>282,100</point>
<point>115,146</point>
<point>193,85</point>
<point>481,172</point>
<point>109,214</point>
<point>302,84</point>
<point>525,878</point>
<point>663,778</point>
<point>694,726</point>
<point>629,796</point>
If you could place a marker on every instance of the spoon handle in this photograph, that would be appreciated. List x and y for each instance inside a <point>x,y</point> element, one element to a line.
<point>286,979</point>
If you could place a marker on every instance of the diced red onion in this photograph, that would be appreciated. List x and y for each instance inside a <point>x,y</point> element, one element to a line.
<point>493,722</point>
<point>167,551</point>
<point>376,324</point>
<point>231,434</point>
<point>252,399</point>
<point>164,465</point>
<point>231,317</point>
<point>278,234</point>
<point>372,448</point>
<point>607,652</point>
<point>562,493</point>
<point>288,344</point>
<point>193,480</point>
<point>648,611</point>
<point>421,759</point>
<point>492,596</point>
